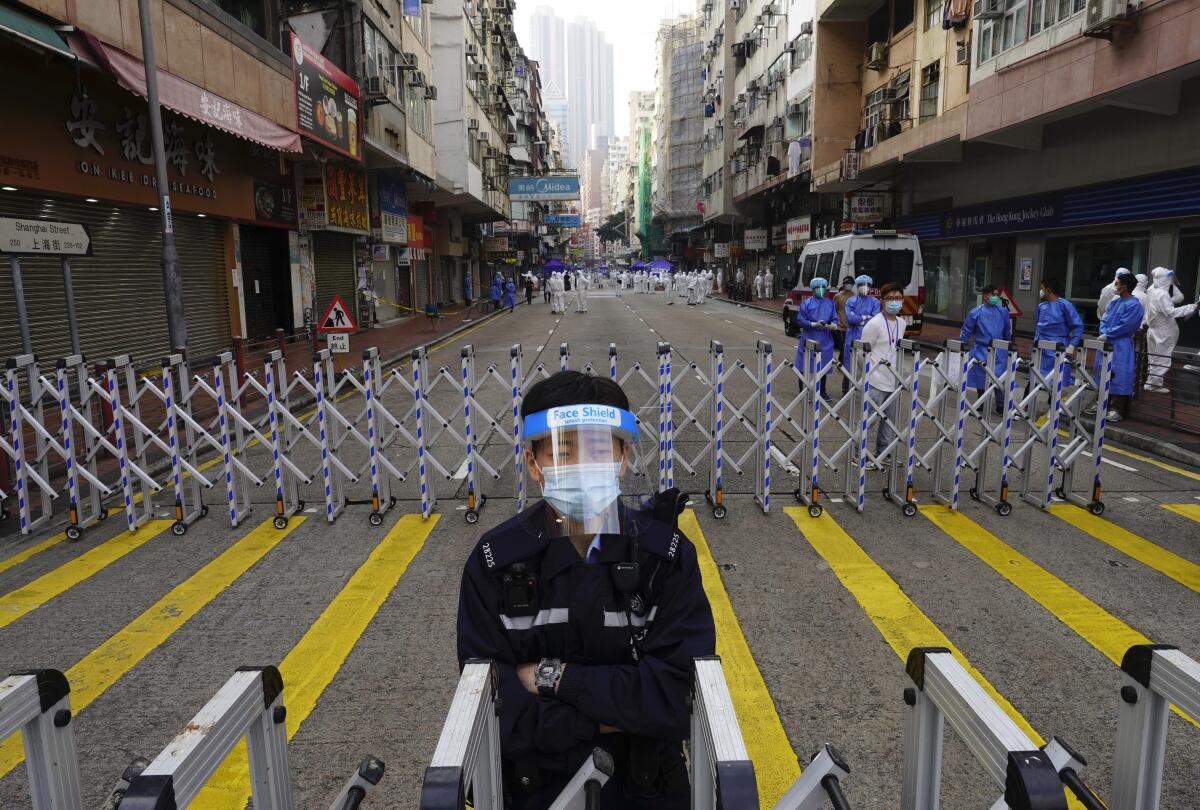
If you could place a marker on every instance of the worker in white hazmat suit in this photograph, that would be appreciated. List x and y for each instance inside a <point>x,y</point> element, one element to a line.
<point>1162,330</point>
<point>1108,293</point>
<point>582,283</point>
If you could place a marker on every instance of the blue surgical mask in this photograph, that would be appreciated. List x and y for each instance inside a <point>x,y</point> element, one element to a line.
<point>893,307</point>
<point>819,292</point>
<point>582,491</point>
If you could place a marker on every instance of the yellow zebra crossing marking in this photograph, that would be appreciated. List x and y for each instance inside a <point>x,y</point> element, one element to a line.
<point>24,554</point>
<point>1191,511</point>
<point>312,664</point>
<point>775,765</point>
<point>1105,632</point>
<point>28,598</point>
<point>1182,570</point>
<point>103,666</point>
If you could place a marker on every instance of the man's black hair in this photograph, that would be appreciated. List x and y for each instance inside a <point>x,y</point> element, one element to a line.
<point>573,388</point>
<point>1052,285</point>
<point>988,288</point>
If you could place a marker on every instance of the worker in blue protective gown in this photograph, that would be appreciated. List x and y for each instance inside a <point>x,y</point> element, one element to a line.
<point>510,295</point>
<point>1057,321</point>
<point>860,308</point>
<point>985,323</point>
<point>817,318</point>
<point>1122,320</point>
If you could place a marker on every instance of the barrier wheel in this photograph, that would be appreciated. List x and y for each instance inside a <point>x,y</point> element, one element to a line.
<point>974,494</point>
<point>203,510</point>
<point>179,528</point>
<point>719,511</point>
<point>816,510</point>
<point>1004,509</point>
<point>1059,493</point>
<point>910,509</point>
<point>280,522</point>
<point>300,506</point>
<point>887,493</point>
<point>375,519</point>
<point>392,501</point>
<point>797,494</point>
<point>472,516</point>
<point>74,533</point>
<point>1096,508</point>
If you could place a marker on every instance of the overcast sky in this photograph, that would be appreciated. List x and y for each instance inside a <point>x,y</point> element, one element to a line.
<point>630,25</point>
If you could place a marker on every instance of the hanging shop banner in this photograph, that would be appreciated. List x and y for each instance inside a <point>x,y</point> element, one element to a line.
<point>346,199</point>
<point>756,239</point>
<point>850,162</point>
<point>778,235</point>
<point>799,231</point>
<point>393,210</point>
<point>416,233</point>
<point>327,100</point>
<point>274,204</point>
<point>496,244</point>
<point>543,188</point>
<point>721,250</point>
<point>563,220</point>
<point>310,184</point>
<point>866,208</point>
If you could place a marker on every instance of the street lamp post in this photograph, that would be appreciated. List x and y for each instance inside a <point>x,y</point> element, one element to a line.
<point>172,286</point>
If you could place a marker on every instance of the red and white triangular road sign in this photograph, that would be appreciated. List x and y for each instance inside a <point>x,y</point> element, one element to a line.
<point>337,318</point>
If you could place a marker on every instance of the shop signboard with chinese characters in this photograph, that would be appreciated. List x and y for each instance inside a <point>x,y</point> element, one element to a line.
<point>866,209</point>
<point>496,244</point>
<point>82,136</point>
<point>755,239</point>
<point>799,231</point>
<point>346,199</point>
<point>393,210</point>
<point>310,184</point>
<point>778,235</point>
<point>327,101</point>
<point>274,204</point>
<point>721,250</point>
<point>850,162</point>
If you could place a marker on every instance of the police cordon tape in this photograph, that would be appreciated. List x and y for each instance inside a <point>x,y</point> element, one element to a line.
<point>372,435</point>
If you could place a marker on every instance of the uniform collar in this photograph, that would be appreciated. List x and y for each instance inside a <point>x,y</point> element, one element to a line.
<point>561,553</point>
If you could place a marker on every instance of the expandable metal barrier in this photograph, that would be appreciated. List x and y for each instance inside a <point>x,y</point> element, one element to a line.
<point>386,427</point>
<point>1031,778</point>
<point>37,704</point>
<point>249,706</point>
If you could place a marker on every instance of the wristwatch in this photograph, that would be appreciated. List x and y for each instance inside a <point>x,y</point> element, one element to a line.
<point>549,670</point>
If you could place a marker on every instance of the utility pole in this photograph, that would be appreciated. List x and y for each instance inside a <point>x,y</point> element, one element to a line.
<point>172,285</point>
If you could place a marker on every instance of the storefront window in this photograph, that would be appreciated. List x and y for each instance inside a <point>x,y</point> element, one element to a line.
<point>937,279</point>
<point>1091,264</point>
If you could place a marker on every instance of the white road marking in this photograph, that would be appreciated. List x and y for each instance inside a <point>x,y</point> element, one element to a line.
<point>550,332</point>
<point>835,500</point>
<point>783,461</point>
<point>1132,500</point>
<point>539,348</point>
<point>1116,464</point>
<point>727,321</point>
<point>759,333</point>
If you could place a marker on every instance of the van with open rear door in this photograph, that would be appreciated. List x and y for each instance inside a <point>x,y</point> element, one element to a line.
<point>886,256</point>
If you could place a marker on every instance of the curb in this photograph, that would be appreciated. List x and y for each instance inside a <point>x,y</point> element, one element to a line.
<point>1151,445</point>
<point>404,354</point>
<point>778,313</point>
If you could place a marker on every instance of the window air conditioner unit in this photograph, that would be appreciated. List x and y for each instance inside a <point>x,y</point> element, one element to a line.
<point>406,60</point>
<point>736,5</point>
<point>510,137</point>
<point>497,39</point>
<point>751,87</point>
<point>759,20</point>
<point>379,88</point>
<point>431,93</point>
<point>1101,14</point>
<point>472,49</point>
<point>790,47</point>
<point>806,28</point>
<point>417,79</point>
<point>877,56</point>
<point>794,108</point>
<point>501,5</point>
<point>989,9</point>
<point>963,54</point>
<point>473,123</point>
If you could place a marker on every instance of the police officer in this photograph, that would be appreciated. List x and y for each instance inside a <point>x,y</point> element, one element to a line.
<point>590,602</point>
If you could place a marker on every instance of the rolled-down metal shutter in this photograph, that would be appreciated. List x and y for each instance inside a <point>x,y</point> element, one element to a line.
<point>333,266</point>
<point>119,299</point>
<point>422,271</point>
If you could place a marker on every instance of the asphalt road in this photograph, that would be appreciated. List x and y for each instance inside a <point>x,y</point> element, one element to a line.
<point>361,619</point>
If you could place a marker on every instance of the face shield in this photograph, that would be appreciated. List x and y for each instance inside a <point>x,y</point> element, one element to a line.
<point>589,463</point>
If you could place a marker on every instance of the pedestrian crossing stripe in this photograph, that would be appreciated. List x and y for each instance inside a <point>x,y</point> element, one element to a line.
<point>96,672</point>
<point>1168,563</point>
<point>1191,511</point>
<point>24,554</point>
<point>775,765</point>
<point>1105,632</point>
<point>26,599</point>
<point>312,664</point>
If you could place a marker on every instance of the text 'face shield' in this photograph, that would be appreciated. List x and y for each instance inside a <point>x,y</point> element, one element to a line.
<point>587,461</point>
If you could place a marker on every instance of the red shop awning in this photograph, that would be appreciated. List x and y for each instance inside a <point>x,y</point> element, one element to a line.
<point>184,97</point>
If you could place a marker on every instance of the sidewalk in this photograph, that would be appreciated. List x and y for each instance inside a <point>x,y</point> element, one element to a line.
<point>1146,427</point>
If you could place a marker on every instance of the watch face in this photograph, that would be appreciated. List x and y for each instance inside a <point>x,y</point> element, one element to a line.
<point>546,671</point>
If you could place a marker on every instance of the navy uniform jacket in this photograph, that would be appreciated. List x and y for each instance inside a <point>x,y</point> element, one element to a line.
<point>581,619</point>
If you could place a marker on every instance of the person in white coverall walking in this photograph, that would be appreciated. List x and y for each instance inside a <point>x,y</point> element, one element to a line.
<point>1162,330</point>
<point>581,292</point>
